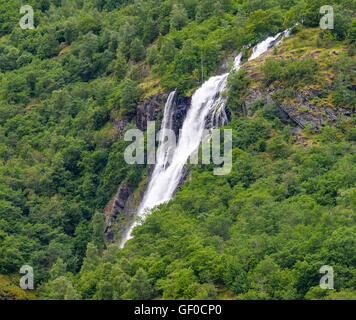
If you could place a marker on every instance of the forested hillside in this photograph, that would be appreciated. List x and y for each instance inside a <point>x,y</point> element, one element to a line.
<point>262,232</point>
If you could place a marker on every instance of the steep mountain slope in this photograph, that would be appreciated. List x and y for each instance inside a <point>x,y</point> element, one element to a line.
<point>92,69</point>
<point>263,231</point>
<point>304,76</point>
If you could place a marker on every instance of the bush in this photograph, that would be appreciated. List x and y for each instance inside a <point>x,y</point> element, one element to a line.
<point>344,87</point>
<point>237,84</point>
<point>129,97</point>
<point>292,73</point>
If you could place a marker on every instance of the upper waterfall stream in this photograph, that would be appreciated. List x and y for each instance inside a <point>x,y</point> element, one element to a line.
<point>206,100</point>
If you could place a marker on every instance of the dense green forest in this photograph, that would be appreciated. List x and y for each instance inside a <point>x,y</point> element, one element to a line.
<point>262,232</point>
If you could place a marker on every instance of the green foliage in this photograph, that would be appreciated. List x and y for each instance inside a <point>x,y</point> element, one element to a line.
<point>61,289</point>
<point>289,72</point>
<point>129,97</point>
<point>262,232</point>
<point>152,55</point>
<point>119,66</point>
<point>343,12</point>
<point>91,259</point>
<point>137,50</point>
<point>98,223</point>
<point>58,269</point>
<point>344,88</point>
<point>238,83</point>
<point>311,13</point>
<point>180,284</point>
<point>179,17</point>
<point>139,287</point>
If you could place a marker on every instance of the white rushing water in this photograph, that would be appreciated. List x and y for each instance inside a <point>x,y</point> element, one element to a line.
<point>266,44</point>
<point>206,100</point>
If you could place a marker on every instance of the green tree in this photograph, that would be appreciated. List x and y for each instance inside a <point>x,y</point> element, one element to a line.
<point>129,97</point>
<point>98,223</point>
<point>105,290</point>
<point>168,51</point>
<point>180,284</point>
<point>137,50</point>
<point>139,287</point>
<point>188,58</point>
<point>62,289</point>
<point>204,10</point>
<point>91,260</point>
<point>150,31</point>
<point>58,269</point>
<point>152,55</point>
<point>179,17</point>
<point>311,13</point>
<point>49,45</point>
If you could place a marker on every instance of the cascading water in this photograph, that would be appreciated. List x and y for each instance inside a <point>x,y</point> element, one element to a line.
<point>266,44</point>
<point>219,116</point>
<point>165,179</point>
<point>164,149</point>
<point>205,101</point>
<point>163,156</point>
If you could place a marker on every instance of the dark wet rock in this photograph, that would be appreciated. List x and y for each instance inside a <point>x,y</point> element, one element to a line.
<point>184,177</point>
<point>225,64</point>
<point>120,126</point>
<point>302,109</point>
<point>122,209</point>
<point>121,212</point>
<point>150,110</point>
<point>180,111</point>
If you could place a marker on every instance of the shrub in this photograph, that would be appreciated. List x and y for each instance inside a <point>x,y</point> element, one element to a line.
<point>290,72</point>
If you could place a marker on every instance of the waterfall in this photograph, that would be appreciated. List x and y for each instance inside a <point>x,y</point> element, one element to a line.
<point>164,153</point>
<point>164,149</point>
<point>219,116</point>
<point>206,101</point>
<point>268,43</point>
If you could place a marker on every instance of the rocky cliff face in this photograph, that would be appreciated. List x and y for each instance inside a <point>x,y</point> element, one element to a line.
<point>302,110</point>
<point>150,109</point>
<point>307,106</point>
<point>122,208</point>
<point>120,211</point>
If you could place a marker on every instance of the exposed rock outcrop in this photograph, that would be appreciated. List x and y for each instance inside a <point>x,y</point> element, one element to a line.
<point>305,109</point>
<point>150,110</point>
<point>180,110</point>
<point>306,106</point>
<point>120,211</point>
<point>120,126</point>
<point>225,65</point>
